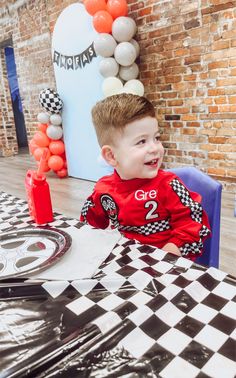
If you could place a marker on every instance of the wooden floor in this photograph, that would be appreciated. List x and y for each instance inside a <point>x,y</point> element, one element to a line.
<point>69,194</point>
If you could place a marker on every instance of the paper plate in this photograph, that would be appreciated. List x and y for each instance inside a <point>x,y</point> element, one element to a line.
<point>28,251</point>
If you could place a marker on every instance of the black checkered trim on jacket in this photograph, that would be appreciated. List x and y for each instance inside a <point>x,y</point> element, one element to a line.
<point>147,229</point>
<point>196,212</point>
<point>186,200</point>
<point>86,207</point>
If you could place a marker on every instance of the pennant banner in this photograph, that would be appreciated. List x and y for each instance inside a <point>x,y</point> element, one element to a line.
<point>74,61</point>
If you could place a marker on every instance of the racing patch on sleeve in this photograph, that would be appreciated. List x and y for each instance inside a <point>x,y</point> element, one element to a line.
<point>111,208</point>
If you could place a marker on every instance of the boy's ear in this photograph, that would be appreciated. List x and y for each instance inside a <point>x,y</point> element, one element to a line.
<point>108,155</point>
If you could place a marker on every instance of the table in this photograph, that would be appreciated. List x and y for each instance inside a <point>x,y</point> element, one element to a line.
<point>144,313</point>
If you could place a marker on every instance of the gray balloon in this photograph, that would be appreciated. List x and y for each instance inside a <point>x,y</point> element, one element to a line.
<point>129,72</point>
<point>108,67</point>
<point>134,86</point>
<point>125,54</point>
<point>55,119</point>
<point>134,25</point>
<point>43,117</point>
<point>54,132</point>
<point>111,86</point>
<point>104,45</point>
<point>136,46</point>
<point>123,29</point>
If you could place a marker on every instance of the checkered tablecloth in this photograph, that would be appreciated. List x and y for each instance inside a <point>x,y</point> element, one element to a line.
<point>144,313</point>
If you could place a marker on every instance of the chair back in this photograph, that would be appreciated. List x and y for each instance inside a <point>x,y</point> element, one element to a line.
<point>210,190</point>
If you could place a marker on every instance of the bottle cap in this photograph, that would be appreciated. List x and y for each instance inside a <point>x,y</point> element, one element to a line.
<point>39,178</point>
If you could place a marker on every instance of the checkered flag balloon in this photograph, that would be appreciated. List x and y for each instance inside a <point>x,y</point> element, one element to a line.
<point>50,101</point>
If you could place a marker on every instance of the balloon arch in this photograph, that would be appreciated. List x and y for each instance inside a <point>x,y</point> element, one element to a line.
<point>119,50</point>
<point>115,43</point>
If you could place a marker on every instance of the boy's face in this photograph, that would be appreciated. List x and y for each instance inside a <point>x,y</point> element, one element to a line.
<point>137,151</point>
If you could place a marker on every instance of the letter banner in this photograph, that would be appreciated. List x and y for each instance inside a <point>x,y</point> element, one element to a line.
<point>74,61</point>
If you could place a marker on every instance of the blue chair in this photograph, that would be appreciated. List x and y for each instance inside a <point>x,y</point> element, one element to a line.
<point>210,190</point>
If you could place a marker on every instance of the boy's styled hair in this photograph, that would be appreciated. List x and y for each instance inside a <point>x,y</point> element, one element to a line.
<point>115,112</point>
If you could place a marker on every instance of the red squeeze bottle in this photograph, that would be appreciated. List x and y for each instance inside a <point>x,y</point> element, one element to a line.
<point>38,194</point>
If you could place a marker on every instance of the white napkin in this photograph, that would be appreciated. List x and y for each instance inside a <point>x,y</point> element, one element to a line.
<point>90,247</point>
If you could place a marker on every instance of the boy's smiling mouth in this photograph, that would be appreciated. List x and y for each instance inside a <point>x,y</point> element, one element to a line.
<point>152,162</point>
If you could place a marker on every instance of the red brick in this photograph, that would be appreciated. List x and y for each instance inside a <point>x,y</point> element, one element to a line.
<point>216,155</point>
<point>219,45</point>
<point>217,140</point>
<point>213,109</point>
<point>216,65</point>
<point>175,103</point>
<point>220,100</point>
<point>145,11</point>
<point>190,131</point>
<point>193,124</point>
<point>216,92</point>
<point>192,59</point>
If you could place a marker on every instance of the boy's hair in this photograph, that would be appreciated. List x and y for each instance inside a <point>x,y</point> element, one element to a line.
<point>115,112</point>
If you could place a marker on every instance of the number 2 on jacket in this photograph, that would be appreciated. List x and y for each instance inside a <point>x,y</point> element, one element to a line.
<point>153,206</point>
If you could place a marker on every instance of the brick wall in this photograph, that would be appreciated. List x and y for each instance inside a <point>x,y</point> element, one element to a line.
<point>187,65</point>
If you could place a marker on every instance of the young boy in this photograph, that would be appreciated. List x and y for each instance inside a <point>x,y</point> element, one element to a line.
<point>141,200</point>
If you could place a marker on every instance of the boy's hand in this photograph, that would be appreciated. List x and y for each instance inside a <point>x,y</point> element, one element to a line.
<point>171,248</point>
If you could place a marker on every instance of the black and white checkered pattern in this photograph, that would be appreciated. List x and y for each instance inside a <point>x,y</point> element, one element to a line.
<point>50,101</point>
<point>194,248</point>
<point>186,200</point>
<point>147,229</point>
<point>169,313</point>
<point>145,313</point>
<point>196,212</point>
<point>204,231</point>
<point>85,208</point>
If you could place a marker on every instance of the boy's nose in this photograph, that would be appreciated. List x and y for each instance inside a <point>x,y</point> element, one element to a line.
<point>153,147</point>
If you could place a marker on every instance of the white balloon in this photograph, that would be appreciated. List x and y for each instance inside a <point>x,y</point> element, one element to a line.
<point>111,86</point>
<point>134,25</point>
<point>127,90</point>
<point>123,29</point>
<point>129,72</point>
<point>43,117</point>
<point>108,67</point>
<point>125,54</point>
<point>54,132</point>
<point>104,45</point>
<point>136,46</point>
<point>134,87</point>
<point>55,119</point>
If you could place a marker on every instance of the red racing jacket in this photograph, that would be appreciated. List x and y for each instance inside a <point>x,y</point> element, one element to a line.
<point>153,211</point>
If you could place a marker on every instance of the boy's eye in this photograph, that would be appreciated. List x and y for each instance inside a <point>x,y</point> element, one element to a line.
<point>157,137</point>
<point>141,141</point>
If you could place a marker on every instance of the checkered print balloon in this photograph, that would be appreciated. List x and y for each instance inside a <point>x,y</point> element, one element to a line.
<point>50,101</point>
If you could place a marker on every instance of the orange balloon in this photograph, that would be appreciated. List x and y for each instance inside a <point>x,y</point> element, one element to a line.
<point>32,146</point>
<point>39,152</point>
<point>55,163</point>
<point>93,6</point>
<point>57,147</point>
<point>102,22</point>
<point>42,127</point>
<point>117,8</point>
<point>65,164</point>
<point>41,139</point>
<point>62,173</point>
